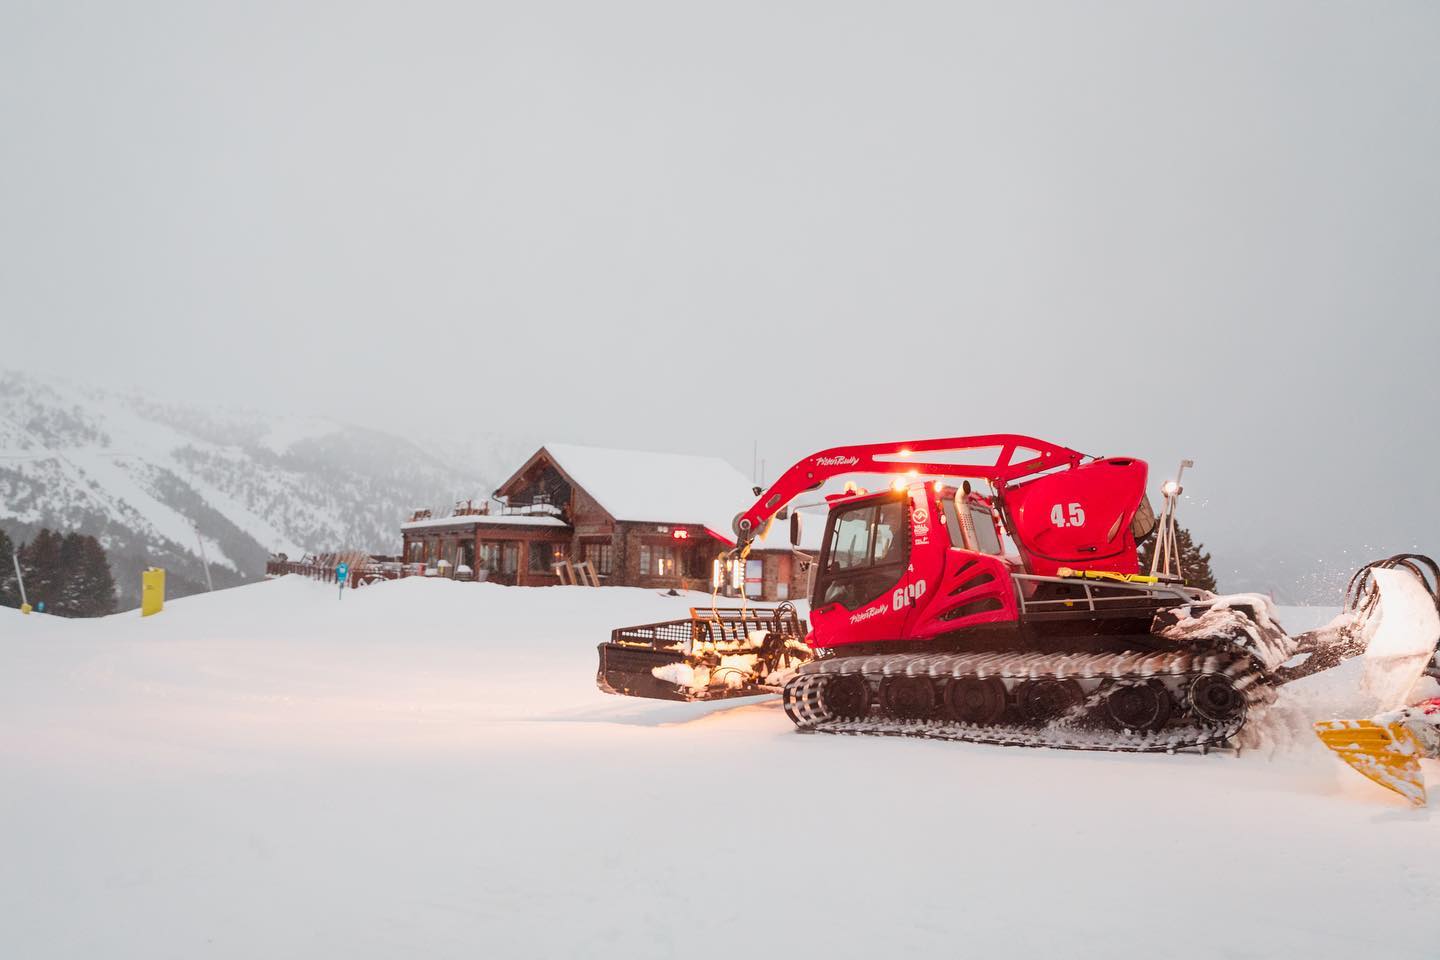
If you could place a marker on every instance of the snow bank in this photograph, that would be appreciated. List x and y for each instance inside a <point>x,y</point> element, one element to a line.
<point>425,768</point>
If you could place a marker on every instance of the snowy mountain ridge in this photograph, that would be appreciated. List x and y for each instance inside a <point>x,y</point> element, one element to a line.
<point>144,476</point>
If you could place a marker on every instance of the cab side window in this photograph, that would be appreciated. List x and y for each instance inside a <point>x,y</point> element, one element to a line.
<point>984,526</point>
<point>952,523</point>
<point>971,526</point>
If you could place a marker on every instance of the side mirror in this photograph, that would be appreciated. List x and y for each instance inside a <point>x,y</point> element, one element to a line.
<point>795,528</point>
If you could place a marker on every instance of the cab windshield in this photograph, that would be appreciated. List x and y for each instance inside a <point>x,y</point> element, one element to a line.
<point>864,553</point>
<point>864,536</point>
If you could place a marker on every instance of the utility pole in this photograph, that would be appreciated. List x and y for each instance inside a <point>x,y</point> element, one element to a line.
<point>20,578</point>
<point>209,585</point>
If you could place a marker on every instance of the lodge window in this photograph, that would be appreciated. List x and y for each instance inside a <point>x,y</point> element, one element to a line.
<point>417,552</point>
<point>657,560</point>
<point>601,556</point>
<point>500,556</point>
<point>546,487</point>
<point>699,561</point>
<point>544,556</point>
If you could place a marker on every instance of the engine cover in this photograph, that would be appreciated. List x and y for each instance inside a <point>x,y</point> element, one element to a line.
<point>1079,518</point>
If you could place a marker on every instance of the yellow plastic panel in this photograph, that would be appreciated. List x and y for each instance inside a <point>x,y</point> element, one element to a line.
<point>152,591</point>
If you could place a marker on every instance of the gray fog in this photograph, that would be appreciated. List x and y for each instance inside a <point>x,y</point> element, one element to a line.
<point>1206,230</point>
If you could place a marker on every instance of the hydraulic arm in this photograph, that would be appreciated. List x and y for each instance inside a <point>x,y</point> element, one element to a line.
<point>997,457</point>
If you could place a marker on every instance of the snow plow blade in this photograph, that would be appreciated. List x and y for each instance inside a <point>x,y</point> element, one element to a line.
<point>1386,753</point>
<point>631,671</point>
<point>725,652</point>
<point>1396,615</point>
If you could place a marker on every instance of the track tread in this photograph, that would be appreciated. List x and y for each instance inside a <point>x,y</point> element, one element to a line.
<point>803,698</point>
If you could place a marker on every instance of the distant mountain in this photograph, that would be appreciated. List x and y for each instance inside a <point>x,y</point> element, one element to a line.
<point>143,475</point>
<point>140,474</point>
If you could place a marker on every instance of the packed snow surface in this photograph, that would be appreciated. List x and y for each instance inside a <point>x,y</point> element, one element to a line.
<point>425,769</point>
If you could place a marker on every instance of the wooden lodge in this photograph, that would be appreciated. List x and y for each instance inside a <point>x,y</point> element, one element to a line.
<point>626,517</point>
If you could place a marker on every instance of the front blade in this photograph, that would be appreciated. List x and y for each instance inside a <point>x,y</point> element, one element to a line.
<point>1386,753</point>
<point>1402,636</point>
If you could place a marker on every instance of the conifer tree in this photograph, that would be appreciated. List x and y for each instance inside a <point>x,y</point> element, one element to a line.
<point>81,585</point>
<point>94,583</point>
<point>41,564</point>
<point>1194,561</point>
<point>69,599</point>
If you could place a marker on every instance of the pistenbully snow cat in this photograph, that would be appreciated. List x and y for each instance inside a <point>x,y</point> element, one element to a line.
<point>1018,616</point>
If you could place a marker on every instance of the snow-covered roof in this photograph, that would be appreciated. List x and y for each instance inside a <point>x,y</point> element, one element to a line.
<point>518,520</point>
<point>642,487</point>
<point>812,534</point>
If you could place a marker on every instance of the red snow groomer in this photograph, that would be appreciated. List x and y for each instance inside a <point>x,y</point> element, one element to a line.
<point>1018,616</point>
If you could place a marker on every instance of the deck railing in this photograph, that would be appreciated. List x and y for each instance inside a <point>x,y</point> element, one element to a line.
<point>361,574</point>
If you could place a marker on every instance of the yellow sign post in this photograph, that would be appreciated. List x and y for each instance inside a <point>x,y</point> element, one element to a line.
<point>152,591</point>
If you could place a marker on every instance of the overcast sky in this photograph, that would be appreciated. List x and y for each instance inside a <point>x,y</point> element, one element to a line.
<point>1203,229</point>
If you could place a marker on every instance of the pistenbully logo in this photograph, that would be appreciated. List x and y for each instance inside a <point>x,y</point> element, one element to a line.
<point>836,461</point>
<point>867,613</point>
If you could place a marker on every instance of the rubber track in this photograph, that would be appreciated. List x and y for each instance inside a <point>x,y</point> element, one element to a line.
<point>802,700</point>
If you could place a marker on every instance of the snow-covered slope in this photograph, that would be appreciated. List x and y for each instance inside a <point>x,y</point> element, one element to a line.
<point>141,474</point>
<point>425,768</point>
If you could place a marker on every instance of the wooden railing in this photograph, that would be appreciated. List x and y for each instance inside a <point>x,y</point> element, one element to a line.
<point>361,573</point>
<point>358,575</point>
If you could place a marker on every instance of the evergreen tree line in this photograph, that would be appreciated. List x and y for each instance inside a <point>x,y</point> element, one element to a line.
<point>69,574</point>
<point>1194,561</point>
